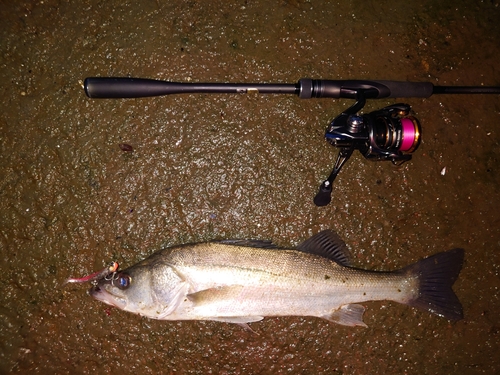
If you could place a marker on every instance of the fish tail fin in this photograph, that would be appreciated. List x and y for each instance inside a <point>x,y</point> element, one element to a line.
<point>436,276</point>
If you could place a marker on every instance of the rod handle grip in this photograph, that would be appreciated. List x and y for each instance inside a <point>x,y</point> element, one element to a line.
<point>124,87</point>
<point>324,88</point>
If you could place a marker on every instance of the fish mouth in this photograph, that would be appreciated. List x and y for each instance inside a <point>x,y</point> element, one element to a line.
<point>107,297</point>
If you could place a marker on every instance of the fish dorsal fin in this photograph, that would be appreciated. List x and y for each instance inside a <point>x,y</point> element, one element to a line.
<point>262,244</point>
<point>329,245</point>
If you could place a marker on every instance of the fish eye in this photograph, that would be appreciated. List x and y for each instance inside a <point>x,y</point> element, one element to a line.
<point>122,281</point>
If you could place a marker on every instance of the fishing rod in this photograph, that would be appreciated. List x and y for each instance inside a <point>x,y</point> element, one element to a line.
<point>388,134</point>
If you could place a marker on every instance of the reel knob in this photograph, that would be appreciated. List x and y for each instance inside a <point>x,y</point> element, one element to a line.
<point>355,123</point>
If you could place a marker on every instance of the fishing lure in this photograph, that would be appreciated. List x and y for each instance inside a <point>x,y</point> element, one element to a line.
<point>110,269</point>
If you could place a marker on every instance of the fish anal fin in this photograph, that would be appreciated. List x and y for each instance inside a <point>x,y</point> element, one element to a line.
<point>348,315</point>
<point>327,244</point>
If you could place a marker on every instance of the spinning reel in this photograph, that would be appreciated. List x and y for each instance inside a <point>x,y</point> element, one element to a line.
<point>389,133</point>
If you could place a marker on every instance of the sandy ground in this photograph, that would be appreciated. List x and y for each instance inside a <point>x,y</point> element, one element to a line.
<point>240,166</point>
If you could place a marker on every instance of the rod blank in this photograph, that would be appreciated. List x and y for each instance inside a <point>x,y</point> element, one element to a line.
<point>123,87</point>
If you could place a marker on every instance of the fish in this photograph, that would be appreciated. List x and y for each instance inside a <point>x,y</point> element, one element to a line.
<point>243,281</point>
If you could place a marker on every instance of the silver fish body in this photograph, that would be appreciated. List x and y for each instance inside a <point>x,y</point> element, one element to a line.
<point>245,281</point>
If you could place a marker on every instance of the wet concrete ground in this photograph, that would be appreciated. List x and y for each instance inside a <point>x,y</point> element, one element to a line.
<point>231,166</point>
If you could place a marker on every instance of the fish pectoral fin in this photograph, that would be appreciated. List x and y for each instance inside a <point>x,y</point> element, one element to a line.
<point>216,295</point>
<point>348,315</point>
<point>216,302</point>
<point>179,296</point>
